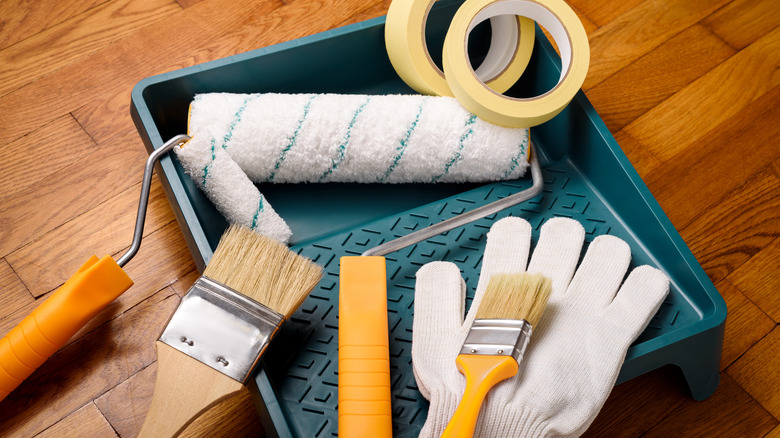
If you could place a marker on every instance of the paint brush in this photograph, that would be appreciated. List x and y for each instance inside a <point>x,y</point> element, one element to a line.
<point>223,325</point>
<point>496,343</point>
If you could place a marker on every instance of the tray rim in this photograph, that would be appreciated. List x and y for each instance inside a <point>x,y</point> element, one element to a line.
<point>197,239</point>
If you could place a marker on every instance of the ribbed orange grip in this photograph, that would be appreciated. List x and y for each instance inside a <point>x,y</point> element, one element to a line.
<point>364,355</point>
<point>482,373</point>
<point>96,284</point>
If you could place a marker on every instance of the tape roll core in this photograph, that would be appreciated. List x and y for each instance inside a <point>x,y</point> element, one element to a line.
<point>510,49</point>
<point>567,31</point>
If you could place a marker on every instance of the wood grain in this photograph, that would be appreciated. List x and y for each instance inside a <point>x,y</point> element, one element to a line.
<point>730,412</point>
<point>721,93</point>
<point>20,19</point>
<point>743,21</point>
<point>640,30</point>
<point>688,87</point>
<point>726,157</point>
<point>126,405</point>
<point>13,294</point>
<point>45,264</point>
<point>634,407</point>
<point>751,211</point>
<point>149,274</point>
<point>657,75</point>
<point>86,369</point>
<point>41,154</point>
<point>66,194</point>
<point>746,323</point>
<point>758,279</point>
<point>184,388</point>
<point>601,12</point>
<point>757,372</point>
<point>87,418</point>
<point>66,42</point>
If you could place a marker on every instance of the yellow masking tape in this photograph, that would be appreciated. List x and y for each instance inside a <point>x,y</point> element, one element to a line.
<point>510,49</point>
<point>567,31</point>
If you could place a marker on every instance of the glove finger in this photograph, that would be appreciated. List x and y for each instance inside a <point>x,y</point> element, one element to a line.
<point>438,300</point>
<point>601,272</point>
<point>557,252</point>
<point>438,316</point>
<point>639,299</point>
<point>506,251</point>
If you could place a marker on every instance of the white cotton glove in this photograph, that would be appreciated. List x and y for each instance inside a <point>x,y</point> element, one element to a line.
<point>576,350</point>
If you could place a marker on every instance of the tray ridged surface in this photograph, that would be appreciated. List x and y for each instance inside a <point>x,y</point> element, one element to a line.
<point>302,362</point>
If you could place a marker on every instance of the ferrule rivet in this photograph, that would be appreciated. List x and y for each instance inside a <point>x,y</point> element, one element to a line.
<point>187,341</point>
<point>473,350</point>
<point>222,360</point>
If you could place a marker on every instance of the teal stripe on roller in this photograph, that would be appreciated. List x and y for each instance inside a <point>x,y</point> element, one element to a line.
<point>292,140</point>
<point>401,148</point>
<point>213,157</point>
<point>459,153</point>
<point>260,209</point>
<point>516,159</point>
<point>343,146</point>
<point>236,119</point>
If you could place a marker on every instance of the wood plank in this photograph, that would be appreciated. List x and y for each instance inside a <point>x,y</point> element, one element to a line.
<point>720,94</point>
<point>46,263</point>
<point>746,324</point>
<point>183,284</point>
<point>737,227</point>
<point>87,368</point>
<point>730,412</point>
<point>45,151</point>
<point>603,11</point>
<point>87,421</point>
<point>20,19</point>
<point>724,158</point>
<point>654,77</point>
<point>13,294</point>
<point>758,279</point>
<point>171,261</point>
<point>757,372</point>
<point>64,43</point>
<point>122,64</point>
<point>634,407</point>
<point>638,31</point>
<point>743,21</point>
<point>642,159</point>
<point>187,3</point>
<point>775,433</point>
<point>68,193</point>
<point>126,405</point>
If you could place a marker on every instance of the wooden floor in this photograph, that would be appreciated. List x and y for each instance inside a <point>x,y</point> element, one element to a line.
<point>689,88</point>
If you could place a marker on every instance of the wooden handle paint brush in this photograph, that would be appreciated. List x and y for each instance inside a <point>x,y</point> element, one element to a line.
<point>223,325</point>
<point>496,343</point>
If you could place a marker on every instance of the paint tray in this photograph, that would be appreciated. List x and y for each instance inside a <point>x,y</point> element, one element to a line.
<point>586,177</point>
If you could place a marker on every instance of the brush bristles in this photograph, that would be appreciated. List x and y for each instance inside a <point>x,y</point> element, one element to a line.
<point>262,269</point>
<point>515,296</point>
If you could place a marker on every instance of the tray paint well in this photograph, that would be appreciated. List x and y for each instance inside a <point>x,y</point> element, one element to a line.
<point>586,174</point>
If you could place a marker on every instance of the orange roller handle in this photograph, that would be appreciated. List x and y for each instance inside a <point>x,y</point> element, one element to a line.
<point>482,373</point>
<point>364,354</point>
<point>27,346</point>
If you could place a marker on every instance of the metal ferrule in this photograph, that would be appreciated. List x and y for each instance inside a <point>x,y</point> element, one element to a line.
<point>221,328</point>
<point>505,337</point>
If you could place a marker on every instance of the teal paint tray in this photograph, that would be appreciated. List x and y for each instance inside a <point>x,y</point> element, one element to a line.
<point>586,177</point>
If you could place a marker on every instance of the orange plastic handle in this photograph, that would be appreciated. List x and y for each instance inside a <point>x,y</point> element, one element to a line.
<point>27,346</point>
<point>364,354</point>
<point>482,373</point>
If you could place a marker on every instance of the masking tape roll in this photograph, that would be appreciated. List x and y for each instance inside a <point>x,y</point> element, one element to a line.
<point>567,31</point>
<point>510,49</point>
